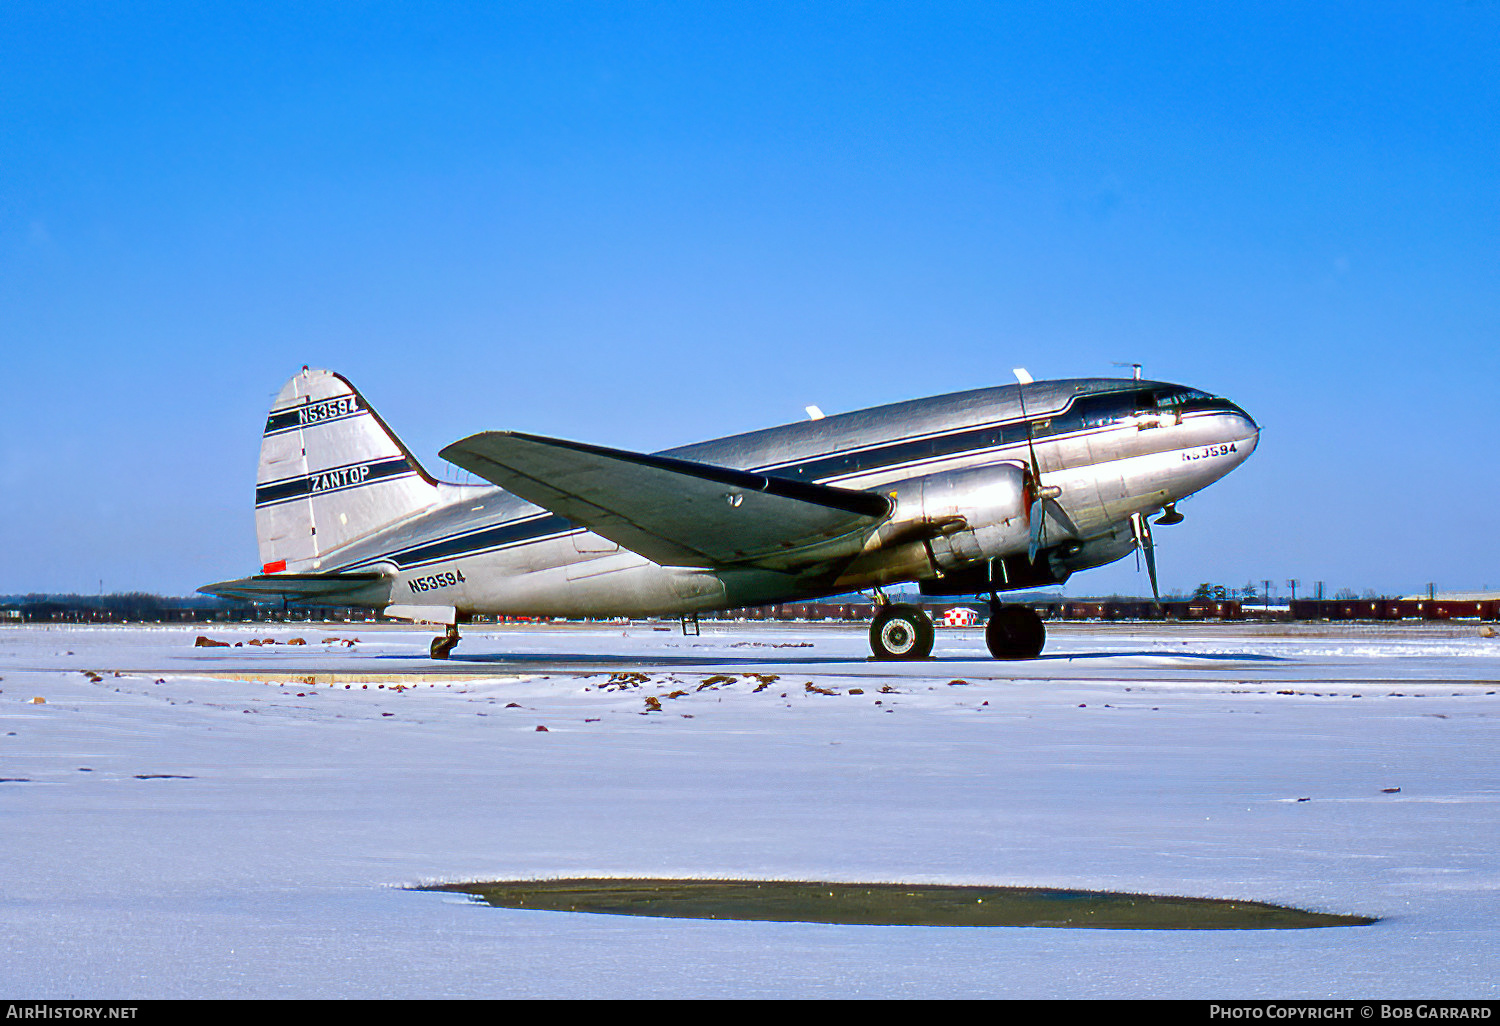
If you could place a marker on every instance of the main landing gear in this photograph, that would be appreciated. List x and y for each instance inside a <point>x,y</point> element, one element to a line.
<point>905,632</point>
<point>447,643</point>
<point>1014,632</point>
<point>901,632</point>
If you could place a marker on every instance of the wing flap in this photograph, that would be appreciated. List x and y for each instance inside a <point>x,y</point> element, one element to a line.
<point>672,511</point>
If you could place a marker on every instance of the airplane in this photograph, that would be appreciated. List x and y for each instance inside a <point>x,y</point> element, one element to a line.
<point>974,493</point>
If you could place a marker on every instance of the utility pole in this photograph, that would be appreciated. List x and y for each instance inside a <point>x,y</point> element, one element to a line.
<point>1292,582</point>
<point>1320,591</point>
<point>1267,592</point>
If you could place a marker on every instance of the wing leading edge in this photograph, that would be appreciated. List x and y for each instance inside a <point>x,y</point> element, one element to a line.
<point>675,512</point>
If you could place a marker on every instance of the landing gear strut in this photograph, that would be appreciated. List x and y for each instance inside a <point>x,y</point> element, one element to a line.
<point>901,632</point>
<point>447,643</point>
<point>1014,632</point>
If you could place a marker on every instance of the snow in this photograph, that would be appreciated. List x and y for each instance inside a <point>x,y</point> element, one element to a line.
<point>214,837</point>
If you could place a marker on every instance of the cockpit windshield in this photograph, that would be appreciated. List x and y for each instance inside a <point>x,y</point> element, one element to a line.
<point>1173,398</point>
<point>1104,408</point>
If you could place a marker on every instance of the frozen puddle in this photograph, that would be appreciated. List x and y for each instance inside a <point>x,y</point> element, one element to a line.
<point>892,904</point>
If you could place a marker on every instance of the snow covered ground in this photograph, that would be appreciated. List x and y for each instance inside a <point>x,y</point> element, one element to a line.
<point>171,833</point>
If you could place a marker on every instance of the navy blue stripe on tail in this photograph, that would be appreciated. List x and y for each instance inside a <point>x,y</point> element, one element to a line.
<point>334,479</point>
<point>308,414</point>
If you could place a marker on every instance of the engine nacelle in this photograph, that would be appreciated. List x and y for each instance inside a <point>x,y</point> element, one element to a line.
<point>976,514</point>
<point>1013,572</point>
<point>1117,544</point>
<point>1008,573</point>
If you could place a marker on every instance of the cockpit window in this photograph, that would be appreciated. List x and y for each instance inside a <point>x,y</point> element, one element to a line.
<point>1173,398</point>
<point>1105,408</point>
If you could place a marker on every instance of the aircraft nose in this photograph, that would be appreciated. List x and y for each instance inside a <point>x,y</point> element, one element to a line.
<point>1243,422</point>
<point>1243,431</point>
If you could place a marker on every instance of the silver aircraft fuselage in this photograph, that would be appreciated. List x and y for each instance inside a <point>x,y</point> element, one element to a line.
<point>1107,449</point>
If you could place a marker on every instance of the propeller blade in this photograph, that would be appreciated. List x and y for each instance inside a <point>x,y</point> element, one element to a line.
<point>1142,528</point>
<point>1151,567</point>
<point>1038,514</point>
<point>1056,512</point>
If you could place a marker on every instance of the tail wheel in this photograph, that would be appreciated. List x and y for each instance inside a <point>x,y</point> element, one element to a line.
<point>1015,632</point>
<point>447,643</point>
<point>901,632</point>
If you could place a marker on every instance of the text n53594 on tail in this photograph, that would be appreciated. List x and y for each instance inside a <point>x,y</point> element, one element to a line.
<point>974,493</point>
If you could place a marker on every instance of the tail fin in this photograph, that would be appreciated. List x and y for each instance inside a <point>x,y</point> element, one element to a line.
<point>330,472</point>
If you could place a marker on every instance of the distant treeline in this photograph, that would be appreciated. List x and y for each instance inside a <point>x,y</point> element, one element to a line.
<point>114,600</point>
<point>140,606</point>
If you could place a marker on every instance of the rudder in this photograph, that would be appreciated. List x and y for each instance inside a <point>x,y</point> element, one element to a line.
<point>331,471</point>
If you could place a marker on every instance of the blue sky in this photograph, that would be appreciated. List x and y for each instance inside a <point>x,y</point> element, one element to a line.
<point>646,224</point>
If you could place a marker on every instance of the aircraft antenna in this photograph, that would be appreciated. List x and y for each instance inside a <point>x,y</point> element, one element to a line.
<point>1135,368</point>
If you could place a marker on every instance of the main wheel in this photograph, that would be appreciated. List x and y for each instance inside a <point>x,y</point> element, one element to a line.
<point>442,646</point>
<point>1015,632</point>
<point>901,632</point>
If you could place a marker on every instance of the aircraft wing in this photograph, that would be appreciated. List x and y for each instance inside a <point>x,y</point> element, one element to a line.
<point>293,587</point>
<point>673,512</point>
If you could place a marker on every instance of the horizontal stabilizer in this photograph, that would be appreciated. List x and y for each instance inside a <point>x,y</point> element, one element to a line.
<point>422,614</point>
<point>293,587</point>
<point>674,512</point>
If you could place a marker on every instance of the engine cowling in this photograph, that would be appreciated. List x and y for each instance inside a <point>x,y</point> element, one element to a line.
<point>976,514</point>
<point>1098,551</point>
